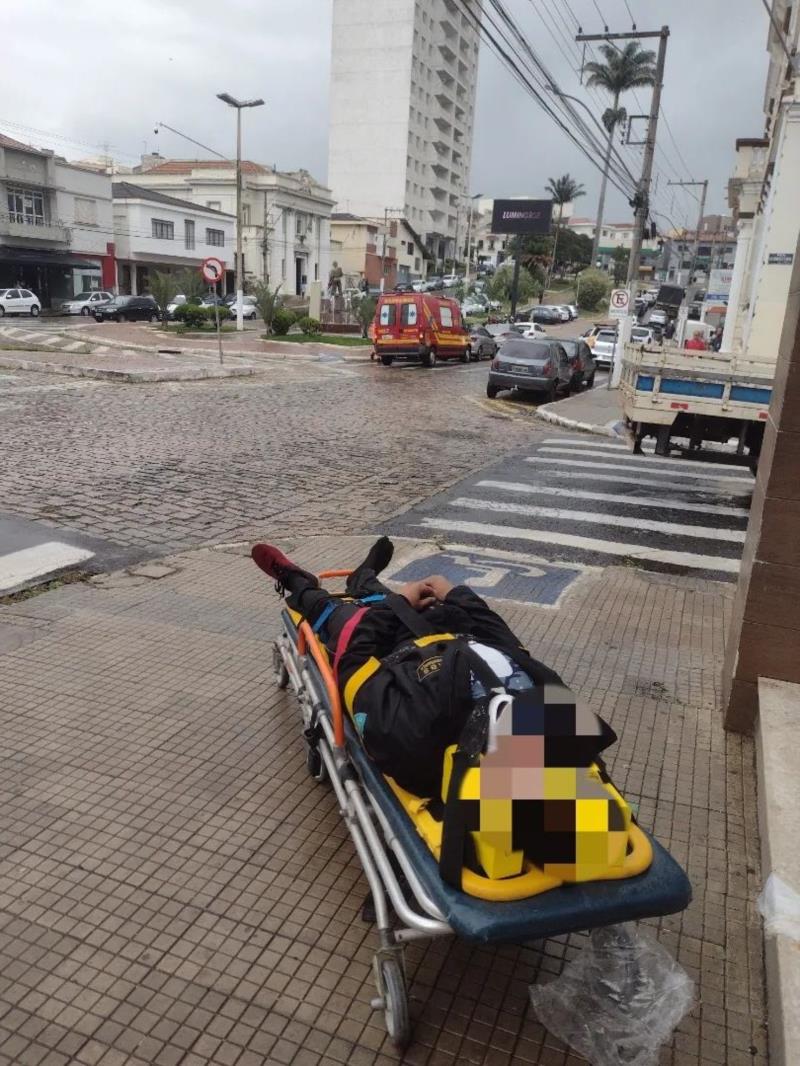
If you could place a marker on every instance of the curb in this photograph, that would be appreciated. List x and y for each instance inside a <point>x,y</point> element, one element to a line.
<point>134,377</point>
<point>547,415</point>
<point>285,349</point>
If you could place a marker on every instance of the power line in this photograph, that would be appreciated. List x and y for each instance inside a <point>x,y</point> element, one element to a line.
<point>633,20</point>
<point>603,19</point>
<point>186,137</point>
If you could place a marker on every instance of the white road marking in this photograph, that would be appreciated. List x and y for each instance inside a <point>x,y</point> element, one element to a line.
<point>589,544</point>
<point>53,338</point>
<point>583,443</point>
<point>635,460</point>
<point>668,467</point>
<point>611,497</point>
<point>20,566</point>
<point>73,346</point>
<point>656,483</point>
<point>598,518</point>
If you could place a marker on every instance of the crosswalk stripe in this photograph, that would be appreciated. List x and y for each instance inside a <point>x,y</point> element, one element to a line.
<point>582,442</point>
<point>651,483</point>
<point>53,338</point>
<point>611,497</point>
<point>598,518</point>
<point>588,544</point>
<point>73,346</point>
<point>635,460</point>
<point>667,465</point>
<point>27,563</point>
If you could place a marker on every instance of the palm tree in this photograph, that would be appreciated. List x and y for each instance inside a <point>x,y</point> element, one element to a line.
<point>564,190</point>
<point>624,68</point>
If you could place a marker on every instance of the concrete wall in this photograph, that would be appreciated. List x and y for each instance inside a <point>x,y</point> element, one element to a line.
<point>764,638</point>
<point>83,203</point>
<point>133,220</point>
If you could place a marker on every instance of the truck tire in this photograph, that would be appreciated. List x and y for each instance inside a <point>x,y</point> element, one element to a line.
<point>491,391</point>
<point>429,358</point>
<point>466,355</point>
<point>387,360</point>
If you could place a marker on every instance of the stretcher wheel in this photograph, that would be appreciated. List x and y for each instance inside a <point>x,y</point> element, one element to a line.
<point>395,1003</point>
<point>279,670</point>
<point>315,764</point>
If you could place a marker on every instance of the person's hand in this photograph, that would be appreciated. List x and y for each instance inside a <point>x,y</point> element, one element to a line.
<point>439,586</point>
<point>419,594</point>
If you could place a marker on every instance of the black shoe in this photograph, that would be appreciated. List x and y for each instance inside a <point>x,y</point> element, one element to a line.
<point>379,556</point>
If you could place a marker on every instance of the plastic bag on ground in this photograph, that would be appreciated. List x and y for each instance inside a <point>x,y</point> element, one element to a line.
<point>779,906</point>
<point>618,1001</point>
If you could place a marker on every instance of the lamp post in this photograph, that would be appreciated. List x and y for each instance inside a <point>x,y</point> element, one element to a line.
<point>472,200</point>
<point>239,104</point>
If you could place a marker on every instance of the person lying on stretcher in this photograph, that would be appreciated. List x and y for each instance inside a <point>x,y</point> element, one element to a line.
<point>411,697</point>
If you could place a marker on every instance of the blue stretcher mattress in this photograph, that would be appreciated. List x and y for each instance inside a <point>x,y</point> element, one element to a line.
<point>663,889</point>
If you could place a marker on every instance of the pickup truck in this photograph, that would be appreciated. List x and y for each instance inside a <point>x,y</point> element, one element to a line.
<point>668,393</point>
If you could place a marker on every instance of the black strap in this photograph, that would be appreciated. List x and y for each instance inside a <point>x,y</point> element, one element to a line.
<point>413,621</point>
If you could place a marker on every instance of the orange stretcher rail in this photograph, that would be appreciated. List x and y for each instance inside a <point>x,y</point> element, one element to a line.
<point>307,640</point>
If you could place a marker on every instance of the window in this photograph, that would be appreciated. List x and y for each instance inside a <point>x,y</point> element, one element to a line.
<point>215,205</point>
<point>410,247</point>
<point>216,237</point>
<point>283,261</point>
<point>25,205</point>
<point>408,314</point>
<point>417,265</point>
<point>445,316</point>
<point>188,233</point>
<point>245,214</point>
<point>165,231</point>
<point>316,272</point>
<point>388,315</point>
<point>85,211</point>
<point>299,223</point>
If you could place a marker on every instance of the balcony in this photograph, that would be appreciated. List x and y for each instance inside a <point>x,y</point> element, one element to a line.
<point>445,76</point>
<point>20,227</point>
<point>445,101</point>
<point>448,54</point>
<point>443,124</point>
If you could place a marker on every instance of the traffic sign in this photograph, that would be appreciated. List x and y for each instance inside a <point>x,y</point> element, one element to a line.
<point>213,270</point>
<point>620,303</point>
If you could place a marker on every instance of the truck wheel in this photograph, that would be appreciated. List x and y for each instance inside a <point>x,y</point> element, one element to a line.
<point>466,355</point>
<point>387,360</point>
<point>429,358</point>
<point>491,391</point>
<point>662,440</point>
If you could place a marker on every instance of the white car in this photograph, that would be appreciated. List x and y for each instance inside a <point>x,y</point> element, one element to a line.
<point>657,318</point>
<point>564,312</point>
<point>529,329</point>
<point>249,308</point>
<point>19,302</point>
<point>175,303</point>
<point>85,303</point>
<point>603,348</point>
<point>419,286</point>
<point>473,307</point>
<point>451,279</point>
<point>573,310</point>
<point>642,335</point>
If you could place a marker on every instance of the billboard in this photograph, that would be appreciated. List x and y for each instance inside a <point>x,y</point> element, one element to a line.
<point>522,216</point>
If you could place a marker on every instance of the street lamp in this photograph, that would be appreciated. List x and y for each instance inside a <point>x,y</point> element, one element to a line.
<point>472,200</point>
<point>239,104</point>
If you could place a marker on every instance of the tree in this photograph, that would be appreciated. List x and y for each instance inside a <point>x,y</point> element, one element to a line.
<point>624,68</point>
<point>267,302</point>
<point>621,257</point>
<point>574,250</point>
<point>503,279</point>
<point>190,283</point>
<point>364,308</point>
<point>593,289</point>
<point>564,190</point>
<point>162,289</point>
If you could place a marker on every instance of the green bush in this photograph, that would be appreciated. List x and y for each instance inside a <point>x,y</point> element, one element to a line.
<point>594,287</point>
<point>310,326</point>
<point>191,315</point>
<point>282,321</point>
<point>224,313</point>
<point>364,308</point>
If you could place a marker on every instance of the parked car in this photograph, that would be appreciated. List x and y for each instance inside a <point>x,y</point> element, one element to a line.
<point>420,285</point>
<point>211,298</point>
<point>603,348</point>
<point>695,310</point>
<point>85,302</point>
<point>19,302</point>
<point>419,326</point>
<point>573,310</point>
<point>590,336</point>
<point>484,344</point>
<point>529,329</point>
<point>530,366</point>
<point>249,307</point>
<point>657,320</point>
<point>642,335</point>
<point>580,359</point>
<point>402,286</point>
<point>174,304</point>
<point>563,311</point>
<point>451,279</point>
<point>128,309</point>
<point>473,307</point>
<point>546,315</point>
<point>434,284</point>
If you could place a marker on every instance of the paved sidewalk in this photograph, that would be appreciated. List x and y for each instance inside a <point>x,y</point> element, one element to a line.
<point>174,890</point>
<point>597,410</point>
<point>127,366</point>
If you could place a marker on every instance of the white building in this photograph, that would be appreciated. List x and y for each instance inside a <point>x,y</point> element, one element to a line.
<point>56,233</point>
<point>763,196</point>
<point>286,215</point>
<point>154,231</point>
<point>403,76</point>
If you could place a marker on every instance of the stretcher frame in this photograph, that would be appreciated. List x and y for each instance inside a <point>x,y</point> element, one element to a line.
<point>301,662</point>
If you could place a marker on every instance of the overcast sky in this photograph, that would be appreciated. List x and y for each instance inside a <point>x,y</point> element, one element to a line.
<point>100,74</point>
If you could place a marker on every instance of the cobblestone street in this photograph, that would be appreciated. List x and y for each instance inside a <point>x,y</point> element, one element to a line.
<point>311,445</point>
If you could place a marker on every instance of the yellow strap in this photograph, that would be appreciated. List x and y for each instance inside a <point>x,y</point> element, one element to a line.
<point>356,680</point>
<point>423,642</point>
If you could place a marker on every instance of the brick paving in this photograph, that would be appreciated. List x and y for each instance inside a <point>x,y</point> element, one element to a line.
<point>174,890</point>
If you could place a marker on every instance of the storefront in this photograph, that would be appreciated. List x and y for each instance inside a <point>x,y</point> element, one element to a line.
<point>53,276</point>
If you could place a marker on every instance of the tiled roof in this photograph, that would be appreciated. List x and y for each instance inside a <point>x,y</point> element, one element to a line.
<point>126,190</point>
<point>186,166</point>
<point>9,142</point>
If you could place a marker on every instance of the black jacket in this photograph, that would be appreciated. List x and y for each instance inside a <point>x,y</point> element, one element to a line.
<point>417,702</point>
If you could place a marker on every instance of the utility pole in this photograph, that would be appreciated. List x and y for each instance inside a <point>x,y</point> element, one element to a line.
<point>641,202</point>
<point>386,212</point>
<point>703,194</point>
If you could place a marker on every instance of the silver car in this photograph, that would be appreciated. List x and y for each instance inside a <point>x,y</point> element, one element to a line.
<point>530,366</point>
<point>85,303</point>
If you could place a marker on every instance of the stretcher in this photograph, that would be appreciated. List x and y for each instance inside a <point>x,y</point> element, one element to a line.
<point>411,901</point>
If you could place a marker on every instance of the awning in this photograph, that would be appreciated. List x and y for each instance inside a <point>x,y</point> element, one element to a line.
<point>33,257</point>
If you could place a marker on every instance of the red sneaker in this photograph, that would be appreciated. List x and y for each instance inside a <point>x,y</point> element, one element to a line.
<point>277,565</point>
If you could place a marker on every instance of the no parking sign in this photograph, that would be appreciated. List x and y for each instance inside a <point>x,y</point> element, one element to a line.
<point>620,303</point>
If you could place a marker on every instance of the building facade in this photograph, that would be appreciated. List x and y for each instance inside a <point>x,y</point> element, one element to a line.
<point>383,252</point>
<point>154,231</point>
<point>286,235</point>
<point>56,230</point>
<point>402,100</point>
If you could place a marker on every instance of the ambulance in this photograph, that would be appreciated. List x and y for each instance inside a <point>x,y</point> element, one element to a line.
<point>420,326</point>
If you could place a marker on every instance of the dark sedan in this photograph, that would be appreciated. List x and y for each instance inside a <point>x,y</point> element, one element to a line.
<point>128,309</point>
<point>483,342</point>
<point>580,359</point>
<point>530,366</point>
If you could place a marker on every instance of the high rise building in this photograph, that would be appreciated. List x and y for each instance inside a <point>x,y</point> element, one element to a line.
<point>403,75</point>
